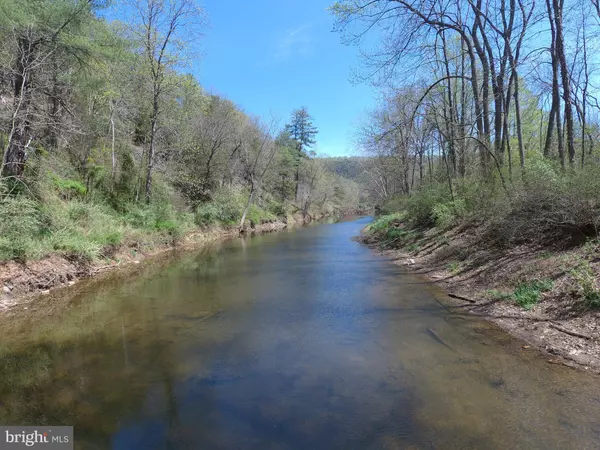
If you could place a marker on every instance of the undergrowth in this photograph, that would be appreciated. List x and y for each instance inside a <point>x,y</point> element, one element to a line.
<point>526,294</point>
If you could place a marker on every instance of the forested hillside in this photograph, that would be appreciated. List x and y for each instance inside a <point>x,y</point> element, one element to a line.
<point>107,140</point>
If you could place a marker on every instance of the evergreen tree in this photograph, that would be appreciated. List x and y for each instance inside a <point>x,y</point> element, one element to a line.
<point>303,131</point>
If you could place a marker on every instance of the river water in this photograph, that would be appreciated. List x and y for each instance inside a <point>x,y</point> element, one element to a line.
<point>302,339</point>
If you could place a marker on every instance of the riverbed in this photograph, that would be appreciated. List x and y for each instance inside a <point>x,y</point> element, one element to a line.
<point>299,339</point>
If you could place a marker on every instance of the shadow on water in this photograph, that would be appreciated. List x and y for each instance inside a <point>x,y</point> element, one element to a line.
<point>293,340</point>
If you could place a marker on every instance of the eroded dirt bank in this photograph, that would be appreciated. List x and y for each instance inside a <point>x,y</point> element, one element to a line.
<point>21,281</point>
<point>481,279</point>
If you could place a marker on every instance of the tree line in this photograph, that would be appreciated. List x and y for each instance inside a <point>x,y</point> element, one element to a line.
<point>96,110</point>
<point>495,93</point>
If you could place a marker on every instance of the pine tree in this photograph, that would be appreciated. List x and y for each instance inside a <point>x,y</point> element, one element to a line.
<point>303,131</point>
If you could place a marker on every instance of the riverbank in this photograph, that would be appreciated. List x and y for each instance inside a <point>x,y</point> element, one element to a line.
<point>21,281</point>
<point>544,296</point>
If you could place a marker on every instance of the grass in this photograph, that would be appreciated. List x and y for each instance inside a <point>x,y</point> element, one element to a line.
<point>585,278</point>
<point>58,216</point>
<point>528,294</point>
<point>384,223</point>
<point>525,295</point>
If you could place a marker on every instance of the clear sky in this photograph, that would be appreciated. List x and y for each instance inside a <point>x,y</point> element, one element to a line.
<point>271,56</point>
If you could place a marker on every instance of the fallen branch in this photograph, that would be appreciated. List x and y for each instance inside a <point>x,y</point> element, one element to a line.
<point>569,332</point>
<point>460,297</point>
<point>507,316</point>
<point>103,268</point>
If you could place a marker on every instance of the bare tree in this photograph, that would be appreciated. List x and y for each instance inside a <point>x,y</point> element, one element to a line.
<point>162,27</point>
<point>257,155</point>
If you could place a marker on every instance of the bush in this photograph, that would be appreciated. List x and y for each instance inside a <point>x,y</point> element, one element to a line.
<point>257,215</point>
<point>383,223</point>
<point>420,208</point>
<point>278,209</point>
<point>226,208</point>
<point>448,214</point>
<point>551,207</point>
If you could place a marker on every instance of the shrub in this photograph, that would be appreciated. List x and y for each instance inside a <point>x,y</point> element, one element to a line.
<point>172,228</point>
<point>384,222</point>
<point>448,214</point>
<point>551,207</point>
<point>257,215</point>
<point>278,209</point>
<point>420,207</point>
<point>207,214</point>
<point>226,208</point>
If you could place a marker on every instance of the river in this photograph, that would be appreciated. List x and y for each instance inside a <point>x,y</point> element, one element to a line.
<point>301,340</point>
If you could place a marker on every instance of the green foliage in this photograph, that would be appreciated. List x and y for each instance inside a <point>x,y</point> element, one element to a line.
<point>20,227</point>
<point>586,279</point>
<point>226,208</point>
<point>81,194</point>
<point>69,188</point>
<point>528,294</point>
<point>75,246</point>
<point>257,215</point>
<point>420,208</point>
<point>448,214</point>
<point>277,209</point>
<point>384,223</point>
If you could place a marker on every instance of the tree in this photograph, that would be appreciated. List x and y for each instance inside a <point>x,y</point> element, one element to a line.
<point>37,36</point>
<point>161,30</point>
<point>257,156</point>
<point>303,131</point>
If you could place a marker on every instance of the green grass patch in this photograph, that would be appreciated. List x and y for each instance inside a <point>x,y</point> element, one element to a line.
<point>384,223</point>
<point>528,294</point>
<point>585,278</point>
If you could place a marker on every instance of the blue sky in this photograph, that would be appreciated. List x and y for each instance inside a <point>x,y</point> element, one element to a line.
<point>271,56</point>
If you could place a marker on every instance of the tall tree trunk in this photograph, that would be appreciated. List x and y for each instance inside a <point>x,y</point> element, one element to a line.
<point>451,118</point>
<point>566,82</point>
<point>518,120</point>
<point>248,204</point>
<point>15,154</point>
<point>113,153</point>
<point>155,110</point>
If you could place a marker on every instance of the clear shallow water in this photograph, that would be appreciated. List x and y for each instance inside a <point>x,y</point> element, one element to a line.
<point>299,340</point>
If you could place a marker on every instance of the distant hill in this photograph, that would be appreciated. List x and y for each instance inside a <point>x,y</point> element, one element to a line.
<point>350,167</point>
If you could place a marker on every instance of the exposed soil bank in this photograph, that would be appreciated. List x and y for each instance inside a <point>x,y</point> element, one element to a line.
<point>19,281</point>
<point>479,278</point>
